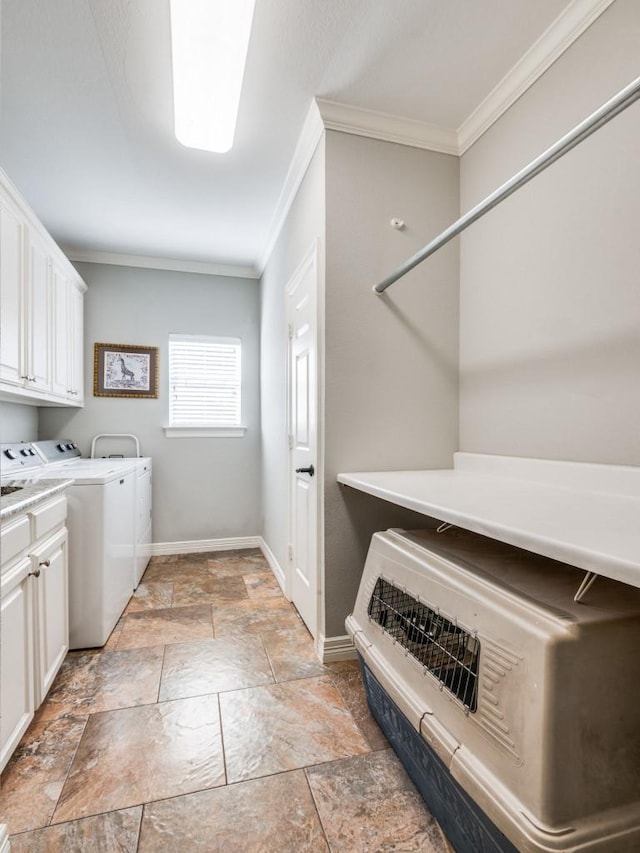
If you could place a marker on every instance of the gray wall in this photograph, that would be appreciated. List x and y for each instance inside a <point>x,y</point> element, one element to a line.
<point>391,372</point>
<point>390,365</point>
<point>203,488</point>
<point>18,422</point>
<point>304,224</point>
<point>549,292</point>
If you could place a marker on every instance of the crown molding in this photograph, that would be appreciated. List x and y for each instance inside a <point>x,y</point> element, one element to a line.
<point>567,27</point>
<point>148,262</point>
<point>330,115</point>
<point>388,128</point>
<point>310,135</point>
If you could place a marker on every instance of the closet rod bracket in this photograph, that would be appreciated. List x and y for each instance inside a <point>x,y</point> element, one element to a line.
<point>589,578</point>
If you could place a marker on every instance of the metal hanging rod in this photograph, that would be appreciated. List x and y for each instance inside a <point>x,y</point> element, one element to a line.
<point>595,121</point>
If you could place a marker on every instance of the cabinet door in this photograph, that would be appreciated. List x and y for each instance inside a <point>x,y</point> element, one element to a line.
<point>67,303</point>
<point>61,333</point>
<point>76,350</point>
<point>38,316</point>
<point>50,568</point>
<point>12,367</point>
<point>16,658</point>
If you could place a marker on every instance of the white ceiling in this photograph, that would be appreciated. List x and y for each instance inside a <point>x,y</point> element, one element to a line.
<point>86,115</point>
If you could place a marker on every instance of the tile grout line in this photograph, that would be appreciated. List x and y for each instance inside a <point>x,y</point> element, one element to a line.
<point>140,828</point>
<point>164,654</point>
<point>268,656</point>
<point>66,775</point>
<point>224,752</point>
<point>315,805</point>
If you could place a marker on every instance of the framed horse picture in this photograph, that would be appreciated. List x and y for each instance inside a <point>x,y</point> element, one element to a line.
<point>125,370</point>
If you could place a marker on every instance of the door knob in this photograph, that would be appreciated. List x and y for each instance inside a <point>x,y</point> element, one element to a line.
<point>310,470</point>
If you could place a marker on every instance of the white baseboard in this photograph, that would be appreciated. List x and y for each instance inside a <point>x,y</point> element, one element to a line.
<point>332,649</point>
<point>5,845</point>
<point>274,565</point>
<point>198,546</point>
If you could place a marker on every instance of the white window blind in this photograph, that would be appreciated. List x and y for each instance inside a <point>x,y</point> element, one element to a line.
<point>205,381</point>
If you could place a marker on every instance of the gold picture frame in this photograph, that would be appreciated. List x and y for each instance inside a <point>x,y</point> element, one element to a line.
<point>125,370</point>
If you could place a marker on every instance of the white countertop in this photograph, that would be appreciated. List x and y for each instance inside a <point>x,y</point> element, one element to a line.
<point>583,514</point>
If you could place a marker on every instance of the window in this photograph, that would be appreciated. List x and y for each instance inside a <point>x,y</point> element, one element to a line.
<point>204,386</point>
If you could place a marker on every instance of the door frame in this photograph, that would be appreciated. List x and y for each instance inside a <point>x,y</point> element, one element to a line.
<point>312,258</point>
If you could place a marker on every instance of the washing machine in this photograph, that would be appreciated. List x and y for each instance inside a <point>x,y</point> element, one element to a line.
<point>101,520</point>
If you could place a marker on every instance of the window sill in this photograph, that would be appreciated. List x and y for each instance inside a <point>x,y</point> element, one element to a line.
<point>204,432</point>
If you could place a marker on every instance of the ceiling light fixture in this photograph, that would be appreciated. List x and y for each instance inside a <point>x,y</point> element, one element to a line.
<point>209,41</point>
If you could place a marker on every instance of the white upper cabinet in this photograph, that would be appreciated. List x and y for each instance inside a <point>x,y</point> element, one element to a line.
<point>75,353</point>
<point>12,369</point>
<point>41,333</point>
<point>67,303</point>
<point>38,314</point>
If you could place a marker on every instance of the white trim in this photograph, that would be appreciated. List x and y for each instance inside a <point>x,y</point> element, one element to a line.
<point>5,844</point>
<point>204,432</point>
<point>88,256</point>
<point>308,264</point>
<point>332,649</point>
<point>567,27</point>
<point>198,546</point>
<point>388,128</point>
<point>309,259</point>
<point>324,114</point>
<point>310,135</point>
<point>274,565</point>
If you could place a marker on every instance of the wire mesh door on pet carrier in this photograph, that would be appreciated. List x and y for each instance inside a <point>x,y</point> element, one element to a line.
<point>447,651</point>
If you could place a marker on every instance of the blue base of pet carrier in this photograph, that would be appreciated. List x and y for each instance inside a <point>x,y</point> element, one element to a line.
<point>466,826</point>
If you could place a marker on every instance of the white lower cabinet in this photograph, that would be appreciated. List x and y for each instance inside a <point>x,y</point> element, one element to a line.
<point>49,568</point>
<point>34,616</point>
<point>17,653</point>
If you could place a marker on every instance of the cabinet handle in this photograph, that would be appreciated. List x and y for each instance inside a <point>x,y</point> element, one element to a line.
<point>35,574</point>
<point>46,563</point>
<point>24,376</point>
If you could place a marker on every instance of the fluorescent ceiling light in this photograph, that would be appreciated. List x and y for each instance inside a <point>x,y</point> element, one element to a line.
<point>209,50</point>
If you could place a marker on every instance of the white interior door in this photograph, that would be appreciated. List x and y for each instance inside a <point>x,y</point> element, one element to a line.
<point>303,440</point>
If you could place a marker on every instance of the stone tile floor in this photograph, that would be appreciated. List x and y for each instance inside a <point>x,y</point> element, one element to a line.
<point>208,723</point>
